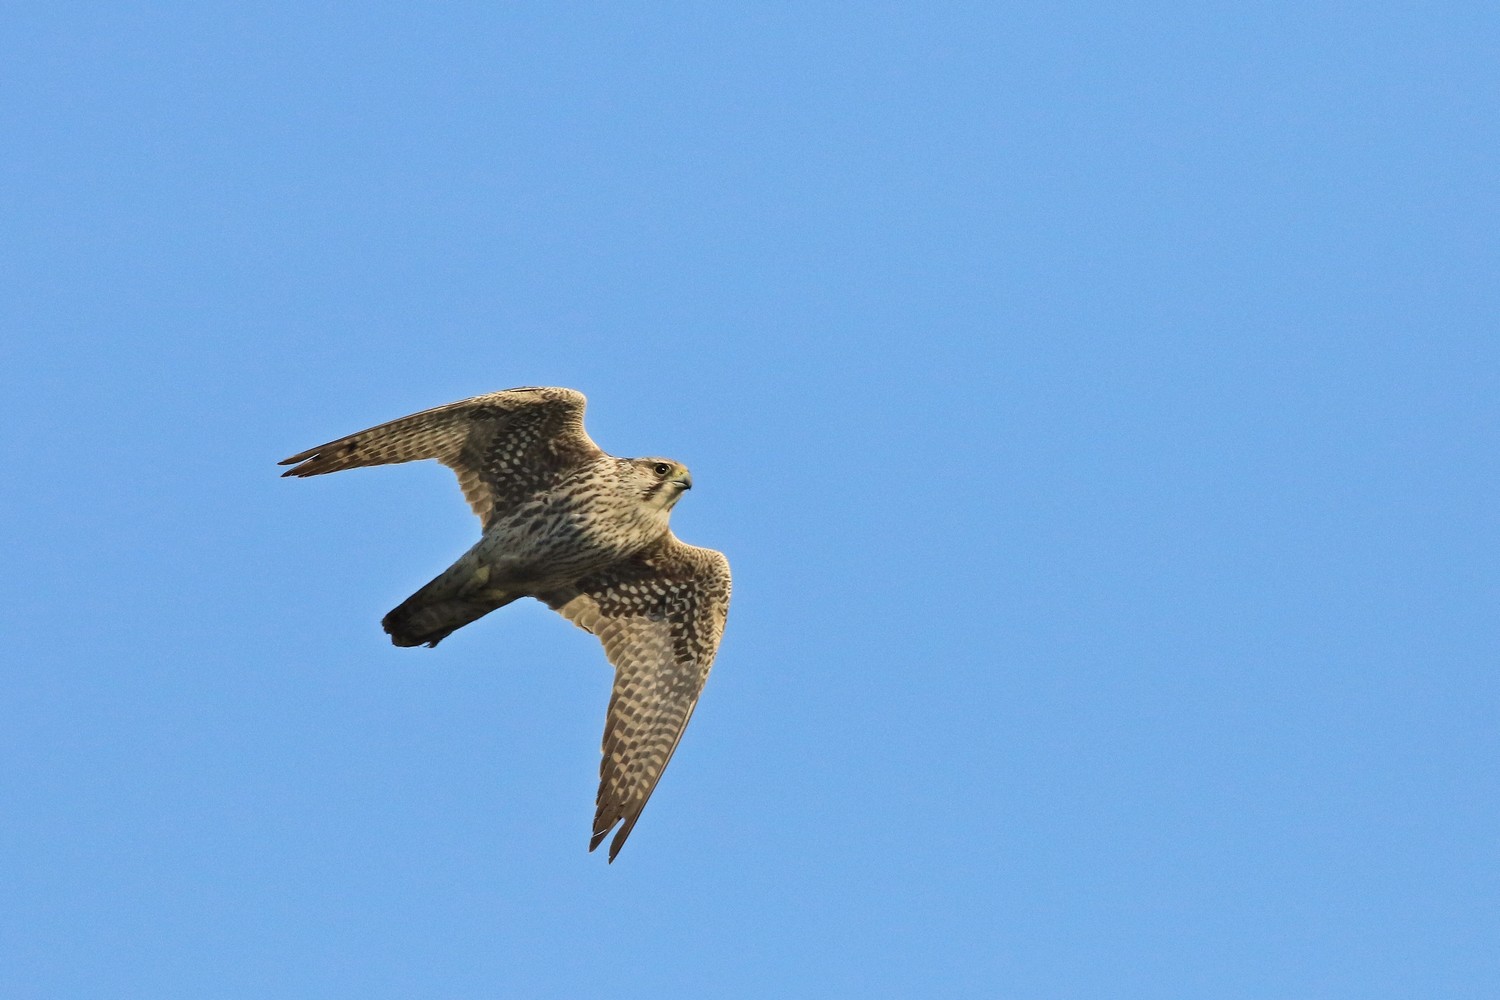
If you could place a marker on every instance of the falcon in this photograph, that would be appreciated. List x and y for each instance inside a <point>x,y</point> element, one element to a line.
<point>585,533</point>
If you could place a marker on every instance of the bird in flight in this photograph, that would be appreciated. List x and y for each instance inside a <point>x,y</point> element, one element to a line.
<point>586,534</point>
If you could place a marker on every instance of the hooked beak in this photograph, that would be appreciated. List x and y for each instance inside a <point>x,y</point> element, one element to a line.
<point>683,481</point>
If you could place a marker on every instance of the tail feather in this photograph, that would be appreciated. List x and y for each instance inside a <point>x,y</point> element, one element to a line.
<point>423,622</point>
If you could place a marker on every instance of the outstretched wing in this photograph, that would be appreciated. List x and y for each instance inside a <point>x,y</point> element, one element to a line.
<point>504,446</point>
<point>660,616</point>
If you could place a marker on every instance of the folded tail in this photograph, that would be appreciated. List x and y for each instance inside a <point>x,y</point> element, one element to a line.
<point>417,622</point>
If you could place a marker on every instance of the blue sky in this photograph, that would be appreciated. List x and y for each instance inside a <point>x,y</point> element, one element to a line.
<point>1097,404</point>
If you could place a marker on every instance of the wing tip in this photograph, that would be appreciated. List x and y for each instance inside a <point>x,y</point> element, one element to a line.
<point>303,468</point>
<point>332,457</point>
<point>621,834</point>
<point>301,461</point>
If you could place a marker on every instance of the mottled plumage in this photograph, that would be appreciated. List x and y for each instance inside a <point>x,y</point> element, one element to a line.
<point>583,531</point>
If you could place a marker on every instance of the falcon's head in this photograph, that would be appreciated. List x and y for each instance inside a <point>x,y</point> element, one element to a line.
<point>663,481</point>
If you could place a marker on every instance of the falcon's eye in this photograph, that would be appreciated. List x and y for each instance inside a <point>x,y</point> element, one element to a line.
<point>661,468</point>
